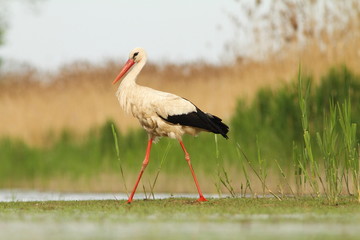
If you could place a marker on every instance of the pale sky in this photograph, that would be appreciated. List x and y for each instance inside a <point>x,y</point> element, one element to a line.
<point>53,32</point>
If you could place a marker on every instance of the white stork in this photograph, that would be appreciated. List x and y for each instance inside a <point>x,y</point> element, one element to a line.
<point>162,114</point>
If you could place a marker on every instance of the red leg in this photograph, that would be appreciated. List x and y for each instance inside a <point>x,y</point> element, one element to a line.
<point>187,157</point>
<point>145,163</point>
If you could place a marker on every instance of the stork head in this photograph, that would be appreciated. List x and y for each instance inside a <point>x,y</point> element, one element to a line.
<point>135,56</point>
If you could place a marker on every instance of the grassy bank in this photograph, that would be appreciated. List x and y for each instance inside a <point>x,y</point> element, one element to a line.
<point>180,209</point>
<point>239,218</point>
<point>267,148</point>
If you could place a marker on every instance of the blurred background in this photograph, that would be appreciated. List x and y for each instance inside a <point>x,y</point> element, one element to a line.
<point>236,59</point>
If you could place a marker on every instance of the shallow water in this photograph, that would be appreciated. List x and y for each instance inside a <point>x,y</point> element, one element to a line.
<point>31,196</point>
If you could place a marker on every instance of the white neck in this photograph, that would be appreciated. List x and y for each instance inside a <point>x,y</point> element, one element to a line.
<point>128,86</point>
<point>130,78</point>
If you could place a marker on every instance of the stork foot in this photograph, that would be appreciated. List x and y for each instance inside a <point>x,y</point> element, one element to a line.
<point>202,199</point>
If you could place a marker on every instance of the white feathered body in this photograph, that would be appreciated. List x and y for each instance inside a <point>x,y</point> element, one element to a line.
<point>151,107</point>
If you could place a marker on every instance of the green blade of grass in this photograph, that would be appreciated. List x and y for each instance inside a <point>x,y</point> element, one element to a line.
<point>118,156</point>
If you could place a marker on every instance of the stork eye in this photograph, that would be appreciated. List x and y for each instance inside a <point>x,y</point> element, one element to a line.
<point>135,54</point>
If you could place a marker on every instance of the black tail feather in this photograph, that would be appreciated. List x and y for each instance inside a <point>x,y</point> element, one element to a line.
<point>215,123</point>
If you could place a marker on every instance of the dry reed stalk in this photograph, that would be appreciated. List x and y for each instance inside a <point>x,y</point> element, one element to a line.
<point>80,96</point>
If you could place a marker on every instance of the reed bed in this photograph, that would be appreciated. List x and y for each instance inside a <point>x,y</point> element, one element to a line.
<point>299,139</point>
<point>36,106</point>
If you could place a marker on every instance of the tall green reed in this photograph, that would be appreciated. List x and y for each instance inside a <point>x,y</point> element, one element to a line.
<point>329,149</point>
<point>335,165</point>
<point>116,143</point>
<point>351,147</point>
<point>307,161</point>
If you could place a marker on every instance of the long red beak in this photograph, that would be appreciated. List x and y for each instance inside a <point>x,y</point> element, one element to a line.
<point>124,70</point>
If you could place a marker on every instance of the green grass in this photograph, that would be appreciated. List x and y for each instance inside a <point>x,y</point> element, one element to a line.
<point>289,135</point>
<point>179,209</point>
<point>229,218</point>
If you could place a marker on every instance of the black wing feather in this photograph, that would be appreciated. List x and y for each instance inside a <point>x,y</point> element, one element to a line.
<point>201,120</point>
